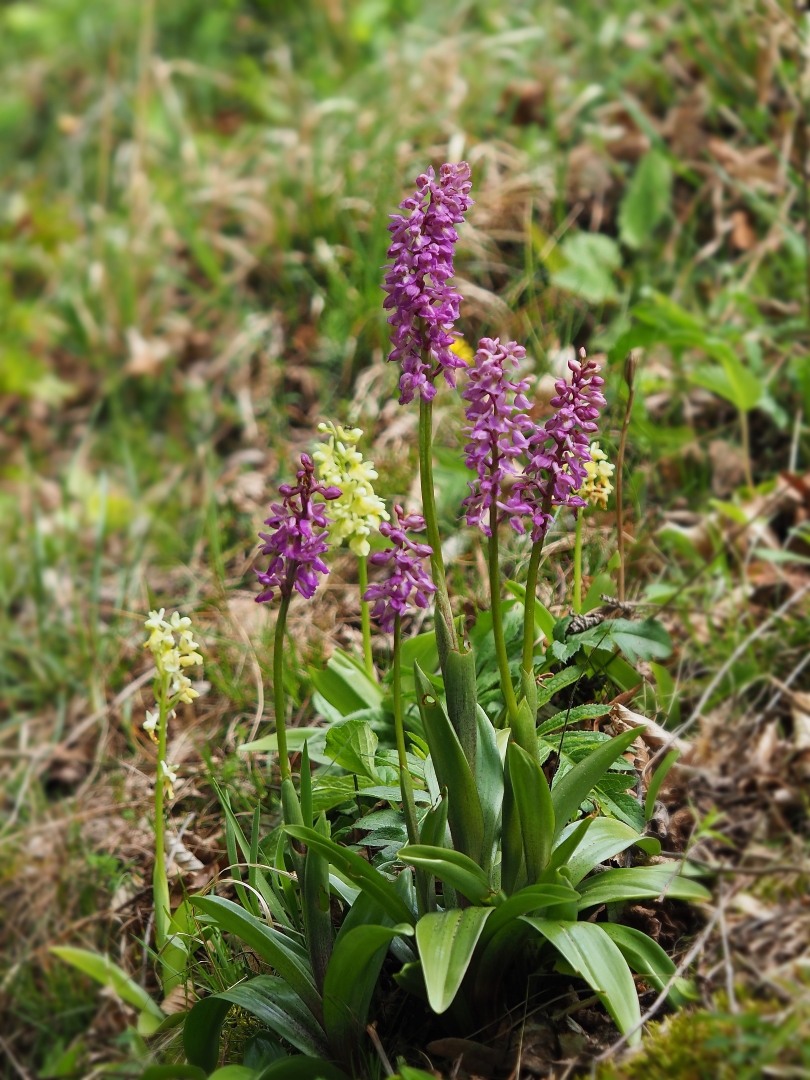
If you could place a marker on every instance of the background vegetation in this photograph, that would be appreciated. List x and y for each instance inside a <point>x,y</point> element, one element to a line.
<point>193,212</point>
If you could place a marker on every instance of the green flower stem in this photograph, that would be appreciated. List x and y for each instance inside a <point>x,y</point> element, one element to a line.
<point>431,520</point>
<point>577,599</point>
<point>365,615</point>
<point>497,617</point>
<point>405,782</point>
<point>529,631</point>
<point>160,883</point>
<point>279,697</point>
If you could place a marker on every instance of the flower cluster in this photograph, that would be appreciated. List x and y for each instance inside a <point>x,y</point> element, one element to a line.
<point>423,307</point>
<point>555,473</point>
<point>357,512</point>
<point>497,432</point>
<point>598,483</point>
<point>407,575</point>
<point>171,658</point>
<point>297,542</point>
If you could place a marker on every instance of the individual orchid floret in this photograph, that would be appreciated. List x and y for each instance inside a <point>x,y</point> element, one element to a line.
<point>559,451</point>
<point>169,777</point>
<point>423,306</point>
<point>357,512</point>
<point>150,725</point>
<point>407,581</point>
<point>298,538</point>
<point>599,480</point>
<point>498,429</point>
<point>172,656</point>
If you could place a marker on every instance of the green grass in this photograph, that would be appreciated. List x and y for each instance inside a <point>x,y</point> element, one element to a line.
<point>191,257</point>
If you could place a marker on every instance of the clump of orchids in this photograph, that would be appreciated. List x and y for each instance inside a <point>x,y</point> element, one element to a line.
<point>171,642</point>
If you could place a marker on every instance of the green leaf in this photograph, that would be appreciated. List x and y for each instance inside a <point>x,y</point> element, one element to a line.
<point>732,381</point>
<point>357,870</point>
<point>296,737</point>
<point>452,770</point>
<point>646,958</point>
<point>544,621</point>
<point>350,980</point>
<point>573,788</point>
<point>266,997</point>
<point>549,687</point>
<point>280,952</point>
<point>233,1072</point>
<point>173,1072</point>
<point>605,838</point>
<point>104,971</point>
<point>535,809</point>
<point>489,781</point>
<point>572,716</point>
<point>352,744</point>
<point>532,898</point>
<point>642,640</point>
<point>345,685</point>
<point>590,261</point>
<point>640,883</point>
<point>302,1068</point>
<point>657,780</point>
<point>646,199</point>
<point>446,942</point>
<point>592,954</point>
<point>454,867</point>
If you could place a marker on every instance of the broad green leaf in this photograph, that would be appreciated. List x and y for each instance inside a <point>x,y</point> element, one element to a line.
<point>573,788</point>
<point>544,621</point>
<point>352,745</point>
<point>646,199</point>
<point>656,780</point>
<point>350,980</point>
<point>571,717</point>
<point>446,942</point>
<point>590,261</point>
<point>357,870</point>
<point>408,1073</point>
<point>316,906</point>
<point>172,1072</point>
<point>302,1068</point>
<point>262,1049</point>
<point>640,883</point>
<point>535,809</point>
<point>104,971</point>
<point>532,898</point>
<point>732,381</point>
<point>233,1072</point>
<point>489,781</point>
<point>602,583</point>
<point>605,838</point>
<point>570,839</point>
<point>422,650</point>
<point>549,687</point>
<point>296,737</point>
<point>266,997</point>
<point>592,954</point>
<point>345,685</point>
<point>452,770</point>
<point>645,639</point>
<point>648,959</point>
<point>454,867</point>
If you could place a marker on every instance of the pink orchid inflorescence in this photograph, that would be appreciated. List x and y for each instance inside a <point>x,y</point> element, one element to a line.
<point>559,450</point>
<point>498,431</point>
<point>297,542</point>
<point>407,575</point>
<point>423,307</point>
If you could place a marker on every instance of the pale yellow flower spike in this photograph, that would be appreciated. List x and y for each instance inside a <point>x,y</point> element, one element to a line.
<point>598,485</point>
<point>172,657</point>
<point>358,511</point>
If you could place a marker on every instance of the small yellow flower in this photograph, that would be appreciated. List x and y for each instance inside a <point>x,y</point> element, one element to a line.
<point>462,350</point>
<point>169,779</point>
<point>358,511</point>
<point>150,725</point>
<point>598,485</point>
<point>170,656</point>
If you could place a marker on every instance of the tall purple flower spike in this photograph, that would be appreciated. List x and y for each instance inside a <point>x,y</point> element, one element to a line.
<point>422,250</point>
<point>498,430</point>
<point>297,542</point>
<point>556,472</point>
<point>407,575</point>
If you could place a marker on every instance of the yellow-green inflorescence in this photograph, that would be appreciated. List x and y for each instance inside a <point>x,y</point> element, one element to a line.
<point>358,512</point>
<point>598,485</point>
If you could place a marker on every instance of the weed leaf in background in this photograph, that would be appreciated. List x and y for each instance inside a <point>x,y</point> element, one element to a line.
<point>646,200</point>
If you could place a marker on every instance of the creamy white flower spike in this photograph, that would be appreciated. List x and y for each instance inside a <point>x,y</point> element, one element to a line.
<point>358,511</point>
<point>171,656</point>
<point>598,485</point>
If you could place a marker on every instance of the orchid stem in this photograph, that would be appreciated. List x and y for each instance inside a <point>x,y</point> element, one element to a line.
<point>497,617</point>
<point>405,783</point>
<point>432,523</point>
<point>279,697</point>
<point>529,601</point>
<point>160,883</point>
<point>577,598</point>
<point>365,616</point>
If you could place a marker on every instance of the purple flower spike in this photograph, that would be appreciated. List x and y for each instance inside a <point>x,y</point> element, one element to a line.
<point>422,251</point>
<point>557,471</point>
<point>497,430</point>
<point>407,575</point>
<point>297,542</point>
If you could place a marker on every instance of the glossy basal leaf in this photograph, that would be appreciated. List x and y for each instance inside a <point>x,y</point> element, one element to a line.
<point>598,960</point>
<point>572,789</point>
<point>269,999</point>
<point>357,870</point>
<point>282,954</point>
<point>302,1068</point>
<point>605,838</point>
<point>570,839</point>
<point>570,717</point>
<point>535,809</point>
<point>452,770</point>
<point>640,883</point>
<point>488,780</point>
<point>345,685</point>
<point>350,980</point>
<point>105,972</point>
<point>656,780</point>
<point>446,942</point>
<point>453,867</point>
<point>532,898</point>
<point>643,955</point>
<point>353,745</point>
<point>420,649</point>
